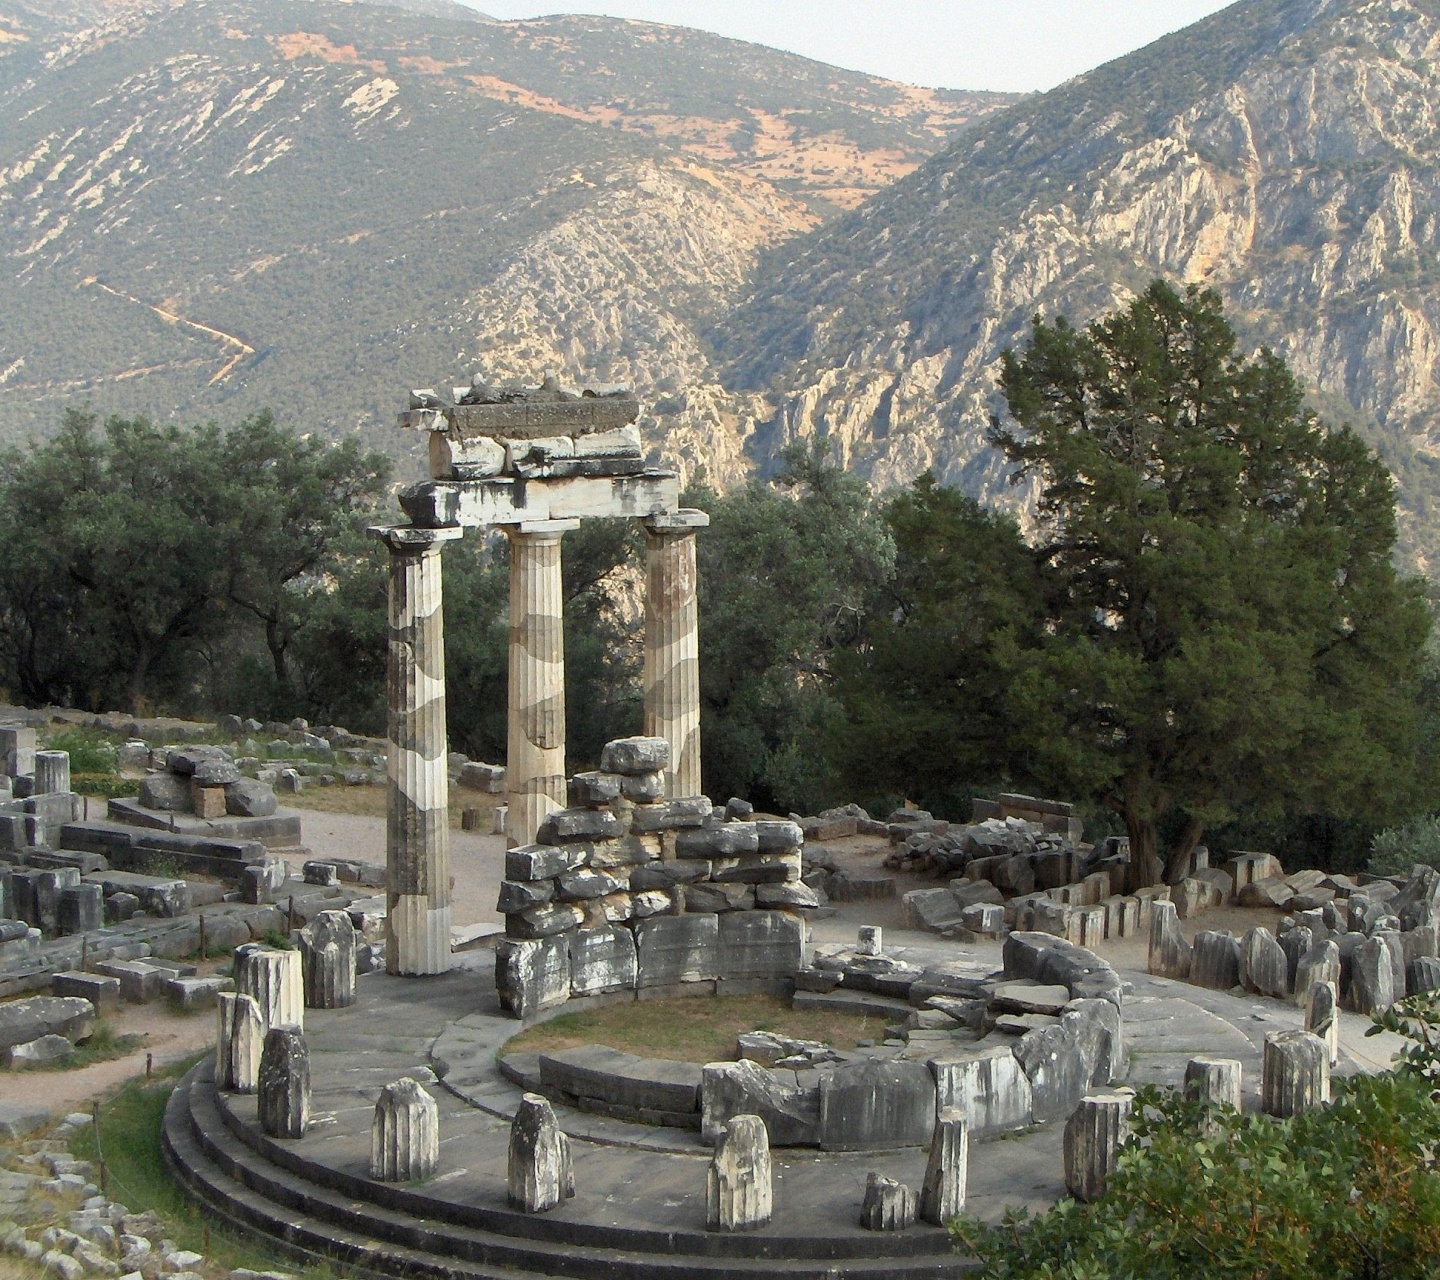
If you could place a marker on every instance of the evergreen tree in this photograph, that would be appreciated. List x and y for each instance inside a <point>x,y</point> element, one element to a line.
<point>1224,629</point>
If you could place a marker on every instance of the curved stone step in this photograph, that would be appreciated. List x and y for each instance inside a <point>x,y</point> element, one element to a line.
<point>315,1221</point>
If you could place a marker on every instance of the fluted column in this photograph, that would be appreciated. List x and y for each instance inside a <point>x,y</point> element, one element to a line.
<point>535,756</point>
<point>672,644</point>
<point>417,850</point>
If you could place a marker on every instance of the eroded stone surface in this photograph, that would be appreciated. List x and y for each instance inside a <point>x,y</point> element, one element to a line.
<point>539,1173</point>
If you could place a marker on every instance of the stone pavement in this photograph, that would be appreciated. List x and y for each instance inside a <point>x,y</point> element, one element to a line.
<point>653,1179</point>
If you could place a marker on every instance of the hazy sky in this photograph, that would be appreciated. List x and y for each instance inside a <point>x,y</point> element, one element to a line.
<point>958,44</point>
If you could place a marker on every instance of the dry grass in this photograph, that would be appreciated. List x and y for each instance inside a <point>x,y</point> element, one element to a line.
<point>369,802</point>
<point>693,1030</point>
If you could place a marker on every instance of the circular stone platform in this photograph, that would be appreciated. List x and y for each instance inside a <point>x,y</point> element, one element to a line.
<point>640,1204</point>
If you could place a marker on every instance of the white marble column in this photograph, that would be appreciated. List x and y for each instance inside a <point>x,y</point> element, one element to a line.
<point>672,644</point>
<point>535,755</point>
<point>417,925</point>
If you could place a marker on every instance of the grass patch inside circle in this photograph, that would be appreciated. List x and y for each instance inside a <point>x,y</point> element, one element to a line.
<point>699,1029</point>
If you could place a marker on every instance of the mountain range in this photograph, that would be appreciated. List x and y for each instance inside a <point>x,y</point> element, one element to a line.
<point>210,206</point>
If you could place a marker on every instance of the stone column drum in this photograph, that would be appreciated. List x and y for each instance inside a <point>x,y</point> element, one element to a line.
<point>327,953</point>
<point>535,756</point>
<point>239,1042</point>
<point>1296,1073</point>
<point>539,1173</point>
<point>52,772</point>
<point>672,644</point>
<point>1096,1130</point>
<point>405,1134</point>
<point>942,1194</point>
<point>273,977</point>
<point>738,1193</point>
<point>417,843</point>
<point>284,1083</point>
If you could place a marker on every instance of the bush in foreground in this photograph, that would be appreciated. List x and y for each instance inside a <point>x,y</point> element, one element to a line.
<point>1347,1191</point>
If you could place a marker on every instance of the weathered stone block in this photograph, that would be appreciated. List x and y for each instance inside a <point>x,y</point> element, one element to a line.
<point>778,837</point>
<point>721,840</point>
<point>868,1105</point>
<point>24,1020</point>
<point>1169,952</point>
<point>165,791</point>
<point>635,755</point>
<point>532,975</point>
<point>542,862</point>
<point>761,944</point>
<point>1296,1073</point>
<point>674,949</point>
<point>1322,1018</point>
<point>947,1170</point>
<point>249,798</point>
<point>327,959</point>
<point>1096,1130</point>
<point>602,960</point>
<point>239,1042</point>
<point>1264,968</point>
<point>566,825</point>
<point>1372,986</point>
<point>1215,960</point>
<point>102,992</point>
<point>790,1113</point>
<point>276,979</point>
<point>1214,1081</point>
<point>544,922</point>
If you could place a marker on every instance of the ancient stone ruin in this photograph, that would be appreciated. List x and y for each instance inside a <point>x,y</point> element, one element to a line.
<point>532,463</point>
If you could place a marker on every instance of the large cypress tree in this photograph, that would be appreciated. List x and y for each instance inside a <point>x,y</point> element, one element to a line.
<point>1224,627</point>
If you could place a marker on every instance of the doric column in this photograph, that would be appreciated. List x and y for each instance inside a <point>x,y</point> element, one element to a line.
<point>535,756</point>
<point>672,644</point>
<point>417,847</point>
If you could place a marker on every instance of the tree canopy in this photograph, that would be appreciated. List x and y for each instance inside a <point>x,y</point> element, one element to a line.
<point>1223,625</point>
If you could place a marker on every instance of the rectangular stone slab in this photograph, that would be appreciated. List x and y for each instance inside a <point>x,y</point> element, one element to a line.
<point>532,420</point>
<point>676,949</point>
<point>761,944</point>
<point>622,1079</point>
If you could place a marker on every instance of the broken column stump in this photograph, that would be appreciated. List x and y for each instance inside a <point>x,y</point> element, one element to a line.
<point>888,1205</point>
<point>1296,1073</point>
<point>284,1083</point>
<point>327,960</point>
<point>274,978</point>
<point>1213,1081</point>
<point>1093,1135</point>
<point>539,1174</point>
<point>737,1186</point>
<point>942,1194</point>
<point>1322,1018</point>
<point>405,1135</point>
<point>1169,952</point>
<point>239,1042</point>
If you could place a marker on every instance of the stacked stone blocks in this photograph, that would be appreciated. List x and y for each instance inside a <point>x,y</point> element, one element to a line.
<point>630,890</point>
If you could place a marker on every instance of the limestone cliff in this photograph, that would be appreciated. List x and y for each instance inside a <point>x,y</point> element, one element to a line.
<point>1283,151</point>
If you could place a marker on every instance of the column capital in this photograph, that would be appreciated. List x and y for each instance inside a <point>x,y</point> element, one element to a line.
<point>542,528</point>
<point>402,538</point>
<point>685,520</point>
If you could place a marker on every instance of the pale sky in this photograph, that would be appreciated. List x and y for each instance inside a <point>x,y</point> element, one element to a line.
<point>1015,45</point>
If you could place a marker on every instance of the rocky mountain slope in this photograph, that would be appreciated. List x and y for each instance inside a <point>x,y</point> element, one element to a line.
<point>1283,151</point>
<point>212,206</point>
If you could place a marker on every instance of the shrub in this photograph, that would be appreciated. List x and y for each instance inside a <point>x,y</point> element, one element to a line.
<point>1396,849</point>
<point>1349,1191</point>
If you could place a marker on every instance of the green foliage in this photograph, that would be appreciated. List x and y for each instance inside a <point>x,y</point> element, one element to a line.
<point>1224,630</point>
<point>925,695</point>
<point>91,752</point>
<point>1417,1018</point>
<point>1396,849</point>
<point>785,571</point>
<point>137,550</point>
<point>1347,1191</point>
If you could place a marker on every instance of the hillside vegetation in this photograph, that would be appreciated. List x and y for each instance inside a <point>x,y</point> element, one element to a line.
<point>221,206</point>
